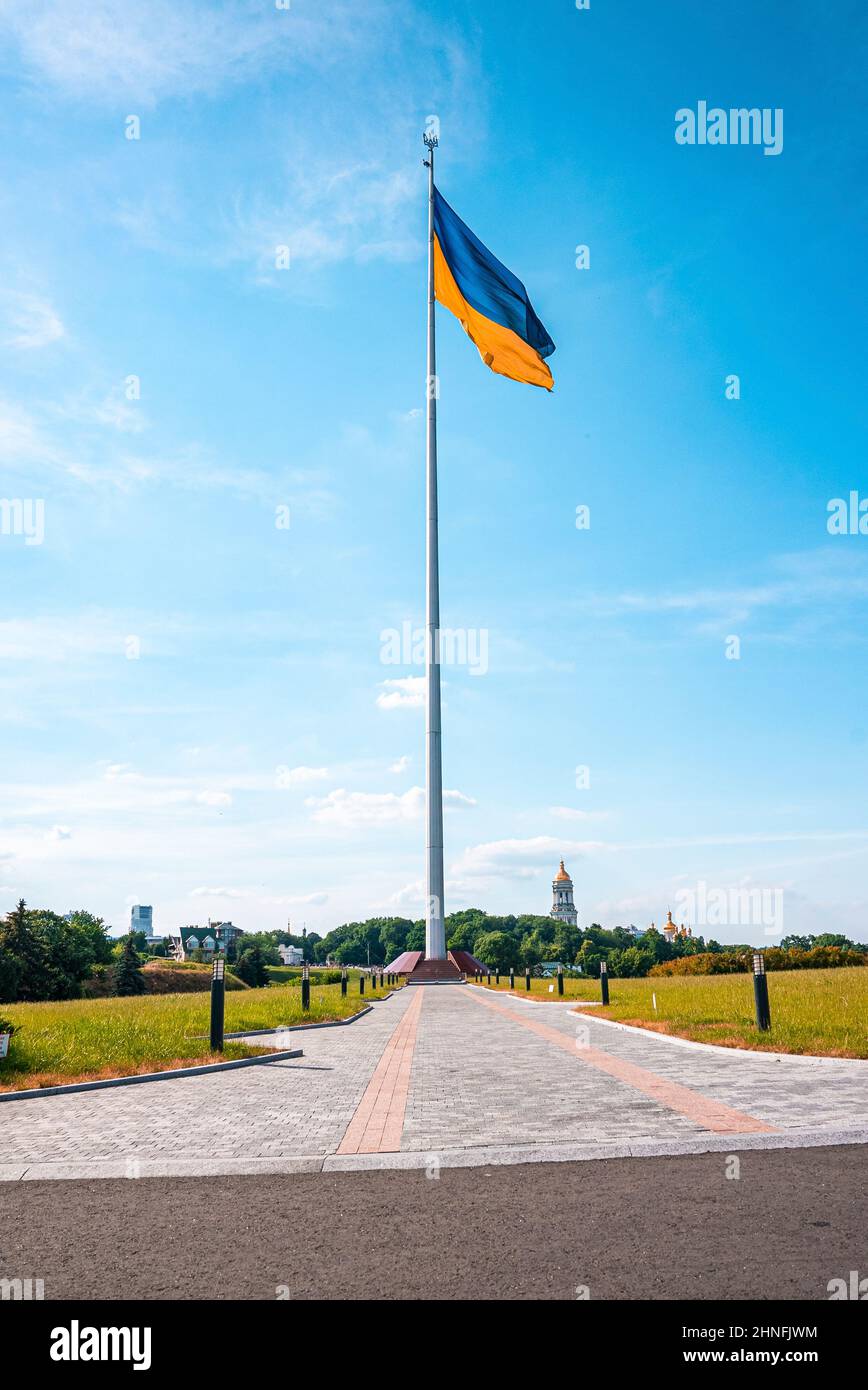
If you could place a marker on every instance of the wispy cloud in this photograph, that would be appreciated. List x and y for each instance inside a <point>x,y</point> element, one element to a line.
<point>817,577</point>
<point>28,321</point>
<point>106,50</point>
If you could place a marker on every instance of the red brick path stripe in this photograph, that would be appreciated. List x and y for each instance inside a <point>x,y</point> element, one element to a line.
<point>378,1122</point>
<point>710,1114</point>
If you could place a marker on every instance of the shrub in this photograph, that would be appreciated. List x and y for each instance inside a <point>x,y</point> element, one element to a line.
<point>741,962</point>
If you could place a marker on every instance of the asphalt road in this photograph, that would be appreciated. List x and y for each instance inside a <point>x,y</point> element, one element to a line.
<point>663,1228</point>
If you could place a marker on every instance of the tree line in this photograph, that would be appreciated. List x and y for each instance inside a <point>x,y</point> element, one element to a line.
<point>47,956</point>
<point>525,941</point>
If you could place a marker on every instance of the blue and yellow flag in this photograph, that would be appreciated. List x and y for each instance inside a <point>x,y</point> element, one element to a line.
<point>490,302</point>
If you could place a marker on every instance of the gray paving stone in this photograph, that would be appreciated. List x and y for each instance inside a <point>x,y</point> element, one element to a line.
<point>483,1089</point>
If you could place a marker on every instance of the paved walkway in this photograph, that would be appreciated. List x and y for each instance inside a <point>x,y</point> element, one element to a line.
<point>451,1074</point>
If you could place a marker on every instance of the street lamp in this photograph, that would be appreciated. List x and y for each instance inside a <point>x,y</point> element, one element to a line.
<point>218,993</point>
<point>604,981</point>
<point>761,992</point>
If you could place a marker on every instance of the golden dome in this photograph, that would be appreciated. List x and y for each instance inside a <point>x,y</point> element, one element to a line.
<point>562,876</point>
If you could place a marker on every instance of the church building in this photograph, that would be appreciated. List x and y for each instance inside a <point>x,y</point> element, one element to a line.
<point>563,907</point>
<point>672,933</point>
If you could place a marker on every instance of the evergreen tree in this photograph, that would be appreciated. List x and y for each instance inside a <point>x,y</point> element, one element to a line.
<point>128,974</point>
<point>27,956</point>
<point>252,967</point>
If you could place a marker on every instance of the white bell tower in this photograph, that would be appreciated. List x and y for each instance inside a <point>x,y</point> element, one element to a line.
<point>563,907</point>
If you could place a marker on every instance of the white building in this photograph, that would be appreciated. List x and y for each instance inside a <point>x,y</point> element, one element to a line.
<point>291,955</point>
<point>563,907</point>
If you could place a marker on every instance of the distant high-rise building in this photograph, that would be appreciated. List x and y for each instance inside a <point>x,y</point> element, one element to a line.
<point>142,919</point>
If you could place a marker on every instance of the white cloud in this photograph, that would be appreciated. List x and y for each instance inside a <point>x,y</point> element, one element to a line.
<point>218,893</point>
<point>519,858</point>
<point>112,410</point>
<point>353,809</point>
<point>403,692</point>
<point>816,577</point>
<point>30,321</point>
<point>342,212</point>
<point>60,639</point>
<point>212,798</point>
<point>299,776</point>
<point>22,441</point>
<point>400,765</point>
<point>411,895</point>
<point>61,832</point>
<point>114,50</point>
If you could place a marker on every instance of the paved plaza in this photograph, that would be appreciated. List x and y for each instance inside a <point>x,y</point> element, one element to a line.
<point>454,1075</point>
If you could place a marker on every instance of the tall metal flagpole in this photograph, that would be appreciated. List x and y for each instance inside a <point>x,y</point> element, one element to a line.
<point>435,934</point>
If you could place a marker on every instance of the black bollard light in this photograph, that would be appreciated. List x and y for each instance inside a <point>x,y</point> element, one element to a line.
<point>497,977</point>
<point>527,977</point>
<point>511,978</point>
<point>761,992</point>
<point>218,993</point>
<point>343,981</point>
<point>305,987</point>
<point>361,984</point>
<point>488,978</point>
<point>560,979</point>
<point>604,981</point>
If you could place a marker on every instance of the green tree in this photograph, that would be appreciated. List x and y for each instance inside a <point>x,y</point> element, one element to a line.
<point>128,977</point>
<point>10,974</point>
<point>497,949</point>
<point>630,963</point>
<point>464,928</point>
<point>416,937</point>
<point>23,941</point>
<point>76,943</point>
<point>530,949</point>
<point>567,943</point>
<point>828,938</point>
<point>252,967</point>
<point>267,941</point>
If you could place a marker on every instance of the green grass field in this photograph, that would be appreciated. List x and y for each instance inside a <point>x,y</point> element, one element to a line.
<point>817,1012</point>
<point>88,1039</point>
<point>548,989</point>
<point>284,974</point>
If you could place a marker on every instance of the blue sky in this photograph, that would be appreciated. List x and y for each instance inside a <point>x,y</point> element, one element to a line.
<point>193,699</point>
